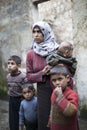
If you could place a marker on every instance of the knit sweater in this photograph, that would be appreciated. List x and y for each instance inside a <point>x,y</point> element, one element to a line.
<point>28,110</point>
<point>64,112</point>
<point>14,84</point>
<point>34,66</point>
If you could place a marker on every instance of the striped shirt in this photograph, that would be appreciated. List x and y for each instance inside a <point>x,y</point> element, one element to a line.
<point>34,66</point>
<point>15,83</point>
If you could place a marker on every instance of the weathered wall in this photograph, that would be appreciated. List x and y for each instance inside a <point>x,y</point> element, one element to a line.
<point>59,14</point>
<point>80,42</point>
<point>16,18</point>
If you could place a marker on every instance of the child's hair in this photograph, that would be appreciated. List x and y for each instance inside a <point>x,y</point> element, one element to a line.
<point>65,46</point>
<point>59,69</point>
<point>15,58</point>
<point>28,85</point>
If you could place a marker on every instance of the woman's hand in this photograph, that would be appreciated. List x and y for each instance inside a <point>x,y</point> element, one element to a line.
<point>46,69</point>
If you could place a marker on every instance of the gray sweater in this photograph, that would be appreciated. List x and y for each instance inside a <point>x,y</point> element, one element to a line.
<point>14,84</point>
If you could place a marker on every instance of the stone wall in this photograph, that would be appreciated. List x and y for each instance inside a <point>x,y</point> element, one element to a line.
<point>16,18</point>
<point>80,42</point>
<point>59,14</point>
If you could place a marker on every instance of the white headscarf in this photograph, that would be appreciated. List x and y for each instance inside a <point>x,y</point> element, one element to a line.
<point>49,44</point>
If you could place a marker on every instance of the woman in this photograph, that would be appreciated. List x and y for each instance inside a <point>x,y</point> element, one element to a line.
<point>36,68</point>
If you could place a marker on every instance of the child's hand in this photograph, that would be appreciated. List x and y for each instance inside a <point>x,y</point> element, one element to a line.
<point>58,91</point>
<point>21,127</point>
<point>49,123</point>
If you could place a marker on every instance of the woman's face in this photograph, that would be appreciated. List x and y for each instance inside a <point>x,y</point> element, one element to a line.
<point>37,35</point>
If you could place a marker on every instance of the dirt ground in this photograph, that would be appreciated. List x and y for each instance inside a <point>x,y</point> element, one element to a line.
<point>4,116</point>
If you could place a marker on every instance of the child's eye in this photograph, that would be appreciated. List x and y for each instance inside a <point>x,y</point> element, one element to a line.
<point>10,63</point>
<point>26,92</point>
<point>53,80</point>
<point>59,79</point>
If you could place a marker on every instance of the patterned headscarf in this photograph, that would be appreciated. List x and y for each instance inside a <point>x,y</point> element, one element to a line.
<point>49,44</point>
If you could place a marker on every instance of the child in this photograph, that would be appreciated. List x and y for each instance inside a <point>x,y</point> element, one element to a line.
<point>64,56</point>
<point>64,101</point>
<point>14,80</point>
<point>28,108</point>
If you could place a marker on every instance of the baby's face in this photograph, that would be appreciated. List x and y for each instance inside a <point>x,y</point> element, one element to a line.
<point>65,49</point>
<point>68,53</point>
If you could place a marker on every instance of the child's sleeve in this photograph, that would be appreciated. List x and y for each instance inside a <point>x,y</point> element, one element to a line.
<point>68,105</point>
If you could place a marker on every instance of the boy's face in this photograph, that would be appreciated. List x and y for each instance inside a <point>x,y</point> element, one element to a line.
<point>27,93</point>
<point>60,80</point>
<point>12,66</point>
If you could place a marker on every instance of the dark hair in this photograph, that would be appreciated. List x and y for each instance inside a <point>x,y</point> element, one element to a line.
<point>15,58</point>
<point>28,85</point>
<point>59,69</point>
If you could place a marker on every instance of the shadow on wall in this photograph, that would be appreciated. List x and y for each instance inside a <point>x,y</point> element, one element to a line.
<point>83,112</point>
<point>3,73</point>
<point>3,84</point>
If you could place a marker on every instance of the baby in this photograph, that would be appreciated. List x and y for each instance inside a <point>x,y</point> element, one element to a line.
<point>64,55</point>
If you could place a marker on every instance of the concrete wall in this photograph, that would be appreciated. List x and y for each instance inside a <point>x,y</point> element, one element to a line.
<point>16,18</point>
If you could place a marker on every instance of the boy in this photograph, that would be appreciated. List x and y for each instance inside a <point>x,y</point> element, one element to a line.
<point>14,80</point>
<point>28,108</point>
<point>64,101</point>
